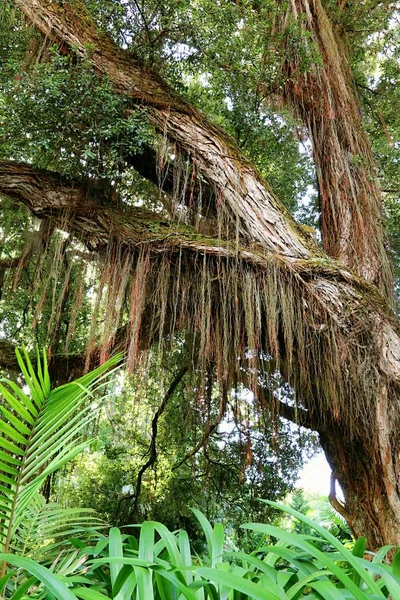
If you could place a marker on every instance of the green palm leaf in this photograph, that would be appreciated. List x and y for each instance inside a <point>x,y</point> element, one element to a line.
<point>39,433</point>
<point>47,526</point>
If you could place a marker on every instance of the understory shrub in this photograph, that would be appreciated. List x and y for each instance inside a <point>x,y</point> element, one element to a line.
<point>158,564</point>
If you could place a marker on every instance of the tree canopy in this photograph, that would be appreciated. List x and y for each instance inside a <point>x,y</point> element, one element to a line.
<point>220,177</point>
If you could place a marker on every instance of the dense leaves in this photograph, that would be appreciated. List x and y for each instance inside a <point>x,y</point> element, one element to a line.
<point>222,467</point>
<point>159,565</point>
<point>61,116</point>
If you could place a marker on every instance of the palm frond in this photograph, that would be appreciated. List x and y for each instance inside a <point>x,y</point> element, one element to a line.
<point>46,527</point>
<point>39,433</point>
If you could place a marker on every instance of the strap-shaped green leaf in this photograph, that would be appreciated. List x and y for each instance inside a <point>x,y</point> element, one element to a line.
<point>7,458</point>
<point>15,422</point>
<point>21,405</point>
<point>7,445</point>
<point>25,400</point>
<point>31,379</point>
<point>12,433</point>
<point>43,371</point>
<point>7,469</point>
<point>51,581</point>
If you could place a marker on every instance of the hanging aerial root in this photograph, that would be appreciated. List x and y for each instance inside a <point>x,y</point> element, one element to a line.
<point>244,309</point>
<point>244,322</point>
<point>325,99</point>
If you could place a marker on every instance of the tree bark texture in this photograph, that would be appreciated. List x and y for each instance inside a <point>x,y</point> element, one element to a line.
<point>351,391</point>
<point>348,303</point>
<point>259,215</point>
<point>367,471</point>
<point>326,100</point>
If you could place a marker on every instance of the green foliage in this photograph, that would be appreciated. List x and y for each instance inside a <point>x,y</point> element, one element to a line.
<point>329,518</point>
<point>42,429</point>
<point>300,504</point>
<point>47,527</point>
<point>14,41</point>
<point>247,456</point>
<point>375,48</point>
<point>56,113</point>
<point>159,565</point>
<point>64,117</point>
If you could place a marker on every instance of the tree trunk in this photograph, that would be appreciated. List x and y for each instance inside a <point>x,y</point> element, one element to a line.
<point>331,331</point>
<point>326,100</point>
<point>367,469</point>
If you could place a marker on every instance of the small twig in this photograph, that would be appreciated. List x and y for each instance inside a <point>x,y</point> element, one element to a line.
<point>207,432</point>
<point>142,15</point>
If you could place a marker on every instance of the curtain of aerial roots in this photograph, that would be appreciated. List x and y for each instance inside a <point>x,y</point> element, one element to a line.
<point>192,200</point>
<point>241,322</point>
<point>50,281</point>
<point>325,99</point>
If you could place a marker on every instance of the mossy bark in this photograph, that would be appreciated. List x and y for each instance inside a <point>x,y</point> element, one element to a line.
<point>326,100</point>
<point>330,332</point>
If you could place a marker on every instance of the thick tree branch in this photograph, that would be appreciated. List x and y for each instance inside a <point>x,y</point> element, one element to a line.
<point>90,215</point>
<point>97,222</point>
<point>326,100</point>
<point>259,215</point>
<point>93,218</point>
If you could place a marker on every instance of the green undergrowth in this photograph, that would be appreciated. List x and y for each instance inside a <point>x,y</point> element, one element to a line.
<point>48,552</point>
<point>159,564</point>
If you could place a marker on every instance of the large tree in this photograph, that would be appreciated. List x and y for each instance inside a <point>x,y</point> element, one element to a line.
<point>224,262</point>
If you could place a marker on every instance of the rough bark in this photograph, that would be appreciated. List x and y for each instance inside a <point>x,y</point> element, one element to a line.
<point>95,221</point>
<point>326,100</point>
<point>332,301</point>
<point>351,222</point>
<point>367,471</point>
<point>93,218</point>
<point>259,215</point>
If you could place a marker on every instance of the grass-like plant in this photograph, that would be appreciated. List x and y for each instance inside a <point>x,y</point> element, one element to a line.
<point>159,565</point>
